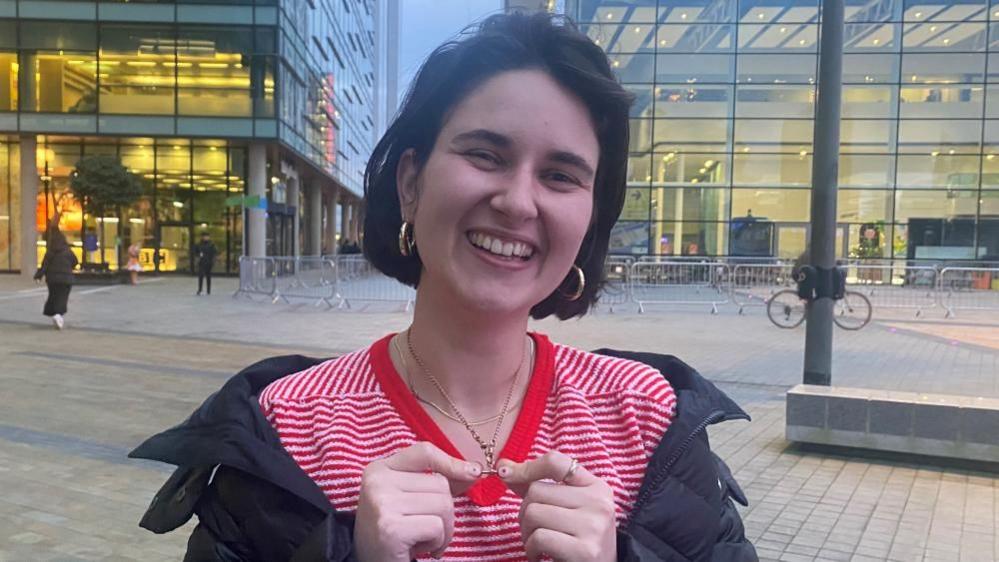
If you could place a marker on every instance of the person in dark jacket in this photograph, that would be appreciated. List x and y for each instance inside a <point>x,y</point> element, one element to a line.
<point>204,258</point>
<point>57,269</point>
<point>493,194</point>
<point>254,503</point>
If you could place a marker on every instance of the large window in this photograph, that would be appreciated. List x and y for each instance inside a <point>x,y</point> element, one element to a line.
<point>137,67</point>
<point>726,100</point>
<point>9,209</point>
<point>58,67</point>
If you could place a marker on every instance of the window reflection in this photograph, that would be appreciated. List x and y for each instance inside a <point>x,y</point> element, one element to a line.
<point>137,69</point>
<point>8,82</point>
<point>783,170</point>
<point>688,100</point>
<point>213,72</point>
<point>58,82</point>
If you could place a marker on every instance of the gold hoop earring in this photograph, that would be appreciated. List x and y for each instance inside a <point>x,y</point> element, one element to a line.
<point>407,240</point>
<point>581,284</point>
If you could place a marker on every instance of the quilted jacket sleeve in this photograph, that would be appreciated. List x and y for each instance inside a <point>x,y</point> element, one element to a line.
<point>669,530</point>
<point>244,519</point>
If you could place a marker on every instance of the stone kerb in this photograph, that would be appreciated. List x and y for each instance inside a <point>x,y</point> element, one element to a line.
<point>941,425</point>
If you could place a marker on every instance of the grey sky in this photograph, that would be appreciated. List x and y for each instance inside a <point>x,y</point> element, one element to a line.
<point>425,24</point>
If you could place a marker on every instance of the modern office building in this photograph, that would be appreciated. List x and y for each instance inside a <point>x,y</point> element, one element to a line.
<point>723,123</point>
<point>249,120</point>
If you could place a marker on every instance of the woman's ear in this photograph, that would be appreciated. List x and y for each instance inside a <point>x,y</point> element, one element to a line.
<point>406,175</point>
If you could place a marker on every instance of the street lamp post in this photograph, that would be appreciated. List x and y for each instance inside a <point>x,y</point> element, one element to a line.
<point>825,171</point>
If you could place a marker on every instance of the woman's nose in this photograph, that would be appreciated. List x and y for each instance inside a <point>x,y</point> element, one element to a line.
<point>515,197</point>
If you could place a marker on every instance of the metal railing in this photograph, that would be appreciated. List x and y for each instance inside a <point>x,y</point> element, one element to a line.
<point>310,278</point>
<point>752,284</point>
<point>358,280</point>
<point>341,281</point>
<point>895,285</point>
<point>679,282</point>
<point>969,288</point>
<point>256,277</point>
<point>617,282</point>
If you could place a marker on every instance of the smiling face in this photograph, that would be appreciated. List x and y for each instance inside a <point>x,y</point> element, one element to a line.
<point>501,204</point>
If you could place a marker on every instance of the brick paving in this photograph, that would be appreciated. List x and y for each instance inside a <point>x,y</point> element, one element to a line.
<point>138,359</point>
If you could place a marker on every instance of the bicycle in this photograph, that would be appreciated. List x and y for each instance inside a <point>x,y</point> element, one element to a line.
<point>787,309</point>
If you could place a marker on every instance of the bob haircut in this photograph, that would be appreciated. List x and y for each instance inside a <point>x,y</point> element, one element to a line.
<point>503,43</point>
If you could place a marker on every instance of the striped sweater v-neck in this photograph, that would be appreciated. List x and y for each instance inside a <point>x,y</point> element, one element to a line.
<point>609,413</point>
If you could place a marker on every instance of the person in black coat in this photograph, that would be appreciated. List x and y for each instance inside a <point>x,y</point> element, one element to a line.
<point>254,503</point>
<point>493,194</point>
<point>57,269</point>
<point>204,258</point>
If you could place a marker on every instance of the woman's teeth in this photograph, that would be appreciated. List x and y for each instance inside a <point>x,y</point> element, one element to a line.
<point>499,247</point>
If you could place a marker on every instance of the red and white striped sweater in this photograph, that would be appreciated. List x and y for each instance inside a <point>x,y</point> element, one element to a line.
<point>609,413</point>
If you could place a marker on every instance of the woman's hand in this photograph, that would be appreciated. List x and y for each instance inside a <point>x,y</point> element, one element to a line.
<point>572,521</point>
<point>406,506</point>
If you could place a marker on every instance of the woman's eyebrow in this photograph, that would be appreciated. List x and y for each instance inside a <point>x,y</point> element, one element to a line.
<point>492,137</point>
<point>572,159</point>
<point>502,141</point>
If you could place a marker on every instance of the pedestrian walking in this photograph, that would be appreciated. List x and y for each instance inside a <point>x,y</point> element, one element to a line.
<point>204,256</point>
<point>57,269</point>
<point>466,436</point>
<point>134,267</point>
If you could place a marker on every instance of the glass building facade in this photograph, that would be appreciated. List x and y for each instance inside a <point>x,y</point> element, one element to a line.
<point>182,92</point>
<point>723,123</point>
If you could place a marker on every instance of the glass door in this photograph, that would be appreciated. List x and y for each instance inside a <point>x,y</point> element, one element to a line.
<point>175,248</point>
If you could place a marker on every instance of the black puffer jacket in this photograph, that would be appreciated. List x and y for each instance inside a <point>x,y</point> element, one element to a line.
<point>58,265</point>
<point>255,504</point>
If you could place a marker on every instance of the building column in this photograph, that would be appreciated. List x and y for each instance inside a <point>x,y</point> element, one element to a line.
<point>294,204</point>
<point>256,218</point>
<point>355,221</point>
<point>331,222</point>
<point>315,194</point>
<point>29,200</point>
<point>344,219</point>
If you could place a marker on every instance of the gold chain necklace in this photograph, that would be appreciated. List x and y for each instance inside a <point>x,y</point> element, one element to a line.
<point>442,411</point>
<point>488,449</point>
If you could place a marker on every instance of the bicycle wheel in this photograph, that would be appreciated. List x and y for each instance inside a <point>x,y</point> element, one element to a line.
<point>853,311</point>
<point>785,309</point>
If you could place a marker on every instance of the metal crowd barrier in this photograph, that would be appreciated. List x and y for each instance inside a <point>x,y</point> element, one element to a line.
<point>306,277</point>
<point>342,280</point>
<point>969,288</point>
<point>895,285</point>
<point>752,284</point>
<point>617,282</point>
<point>358,280</point>
<point>679,282</point>
<point>256,277</point>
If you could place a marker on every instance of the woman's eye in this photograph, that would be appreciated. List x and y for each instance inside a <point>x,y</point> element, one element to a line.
<point>484,156</point>
<point>562,178</point>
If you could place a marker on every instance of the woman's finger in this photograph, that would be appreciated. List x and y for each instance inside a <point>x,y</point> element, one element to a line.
<point>441,505</point>
<point>419,482</point>
<point>570,497</point>
<point>553,465</point>
<point>534,516</point>
<point>559,546</point>
<point>425,457</point>
<point>425,532</point>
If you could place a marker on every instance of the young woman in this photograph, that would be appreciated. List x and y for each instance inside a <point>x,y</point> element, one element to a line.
<point>57,269</point>
<point>466,437</point>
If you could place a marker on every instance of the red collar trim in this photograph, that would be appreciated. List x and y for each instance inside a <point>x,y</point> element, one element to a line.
<point>489,490</point>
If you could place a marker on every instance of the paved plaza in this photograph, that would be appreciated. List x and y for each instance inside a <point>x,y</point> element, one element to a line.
<point>135,360</point>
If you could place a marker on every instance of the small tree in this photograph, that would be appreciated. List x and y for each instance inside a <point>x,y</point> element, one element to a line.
<point>100,182</point>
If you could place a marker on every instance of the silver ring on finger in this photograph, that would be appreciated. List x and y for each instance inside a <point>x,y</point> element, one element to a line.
<point>573,466</point>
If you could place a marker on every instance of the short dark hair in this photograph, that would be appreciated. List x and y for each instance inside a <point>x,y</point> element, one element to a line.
<point>503,43</point>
